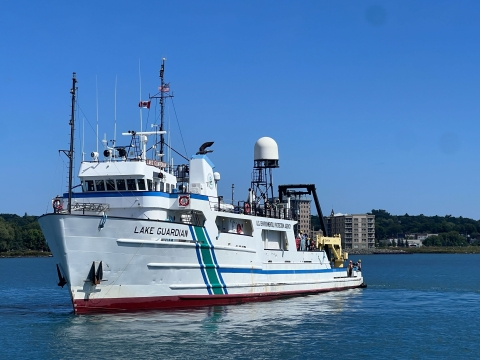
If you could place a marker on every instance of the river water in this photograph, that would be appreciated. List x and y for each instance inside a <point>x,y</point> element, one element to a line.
<point>421,306</point>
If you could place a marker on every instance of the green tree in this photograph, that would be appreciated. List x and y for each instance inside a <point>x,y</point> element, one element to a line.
<point>33,240</point>
<point>21,233</point>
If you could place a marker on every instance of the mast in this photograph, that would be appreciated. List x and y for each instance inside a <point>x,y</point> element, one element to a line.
<point>162,100</point>
<point>70,152</point>
<point>164,90</point>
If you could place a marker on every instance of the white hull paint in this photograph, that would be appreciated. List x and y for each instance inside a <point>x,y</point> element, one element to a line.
<point>146,264</point>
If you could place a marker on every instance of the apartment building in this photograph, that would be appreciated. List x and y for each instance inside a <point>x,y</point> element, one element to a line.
<point>357,230</point>
<point>302,209</point>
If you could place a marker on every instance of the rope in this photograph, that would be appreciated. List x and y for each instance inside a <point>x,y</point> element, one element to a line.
<point>179,129</point>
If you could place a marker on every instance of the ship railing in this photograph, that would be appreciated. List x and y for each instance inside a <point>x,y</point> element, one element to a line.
<point>216,204</point>
<point>275,211</point>
<point>92,207</point>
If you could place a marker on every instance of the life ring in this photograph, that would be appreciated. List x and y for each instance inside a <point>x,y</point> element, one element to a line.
<point>246,208</point>
<point>183,200</point>
<point>57,204</point>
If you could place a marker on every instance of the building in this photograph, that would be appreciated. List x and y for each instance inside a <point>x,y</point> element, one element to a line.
<point>357,230</point>
<point>301,210</point>
<point>416,240</point>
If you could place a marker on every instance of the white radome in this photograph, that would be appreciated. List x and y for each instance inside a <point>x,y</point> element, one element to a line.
<point>265,149</point>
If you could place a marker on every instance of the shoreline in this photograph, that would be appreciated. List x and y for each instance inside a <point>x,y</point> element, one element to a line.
<point>25,254</point>
<point>420,250</point>
<point>373,251</point>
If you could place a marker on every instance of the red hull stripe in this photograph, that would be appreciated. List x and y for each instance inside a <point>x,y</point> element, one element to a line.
<point>186,301</point>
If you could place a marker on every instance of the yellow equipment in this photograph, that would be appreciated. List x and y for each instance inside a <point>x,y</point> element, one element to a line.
<point>335,245</point>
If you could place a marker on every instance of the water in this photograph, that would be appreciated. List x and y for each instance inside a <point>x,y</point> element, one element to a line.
<point>415,307</point>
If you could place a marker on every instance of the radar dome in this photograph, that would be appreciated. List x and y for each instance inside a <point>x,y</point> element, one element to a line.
<point>265,153</point>
<point>265,149</point>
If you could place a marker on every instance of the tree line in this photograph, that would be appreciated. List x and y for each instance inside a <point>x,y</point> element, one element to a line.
<point>21,233</point>
<point>452,231</point>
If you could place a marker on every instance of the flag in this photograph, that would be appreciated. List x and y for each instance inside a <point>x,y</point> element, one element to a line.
<point>164,88</point>
<point>144,104</point>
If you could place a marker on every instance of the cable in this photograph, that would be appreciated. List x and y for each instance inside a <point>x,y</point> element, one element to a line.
<point>78,105</point>
<point>176,152</point>
<point>180,130</point>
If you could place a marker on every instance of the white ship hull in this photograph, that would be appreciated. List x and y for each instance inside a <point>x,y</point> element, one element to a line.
<point>156,264</point>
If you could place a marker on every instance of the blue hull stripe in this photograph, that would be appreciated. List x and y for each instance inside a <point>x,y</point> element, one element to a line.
<point>274,272</point>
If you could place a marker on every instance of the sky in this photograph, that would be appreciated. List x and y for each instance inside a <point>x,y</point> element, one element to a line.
<point>374,102</point>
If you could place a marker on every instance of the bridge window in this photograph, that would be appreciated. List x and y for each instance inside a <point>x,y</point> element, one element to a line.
<point>141,184</point>
<point>121,184</point>
<point>90,186</point>
<point>150,185</point>
<point>100,185</point>
<point>131,184</point>
<point>110,184</point>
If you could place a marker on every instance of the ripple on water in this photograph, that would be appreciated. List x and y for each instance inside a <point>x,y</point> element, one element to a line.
<point>414,307</point>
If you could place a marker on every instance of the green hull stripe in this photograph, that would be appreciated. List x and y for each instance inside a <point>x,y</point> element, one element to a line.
<point>207,260</point>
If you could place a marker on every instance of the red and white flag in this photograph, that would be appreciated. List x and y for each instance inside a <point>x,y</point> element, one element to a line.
<point>164,88</point>
<point>144,104</point>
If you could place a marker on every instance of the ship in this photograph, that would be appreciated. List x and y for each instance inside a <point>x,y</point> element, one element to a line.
<point>139,233</point>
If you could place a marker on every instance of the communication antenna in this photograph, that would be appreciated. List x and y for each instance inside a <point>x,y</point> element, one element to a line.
<point>96,88</point>
<point>168,141</point>
<point>115,116</point>
<point>140,81</point>
<point>83,139</point>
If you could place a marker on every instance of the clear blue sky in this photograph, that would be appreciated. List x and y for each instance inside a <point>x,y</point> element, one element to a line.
<point>377,103</point>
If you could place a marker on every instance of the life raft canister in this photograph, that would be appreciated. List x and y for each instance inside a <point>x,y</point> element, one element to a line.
<point>183,200</point>
<point>246,208</point>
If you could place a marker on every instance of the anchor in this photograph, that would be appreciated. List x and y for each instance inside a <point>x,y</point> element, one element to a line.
<point>61,279</point>
<point>96,272</point>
